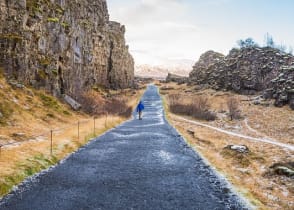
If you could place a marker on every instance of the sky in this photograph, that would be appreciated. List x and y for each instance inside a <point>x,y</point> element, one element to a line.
<point>161,32</point>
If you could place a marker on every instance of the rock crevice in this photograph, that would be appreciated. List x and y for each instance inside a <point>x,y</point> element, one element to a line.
<point>63,46</point>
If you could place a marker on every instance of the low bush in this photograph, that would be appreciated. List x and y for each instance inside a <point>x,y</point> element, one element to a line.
<point>93,103</point>
<point>233,107</point>
<point>197,107</point>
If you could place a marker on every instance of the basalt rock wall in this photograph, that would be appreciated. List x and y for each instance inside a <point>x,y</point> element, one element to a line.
<point>63,46</point>
<point>248,70</point>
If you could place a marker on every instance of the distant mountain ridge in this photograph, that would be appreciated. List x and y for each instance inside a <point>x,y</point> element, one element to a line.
<point>161,71</point>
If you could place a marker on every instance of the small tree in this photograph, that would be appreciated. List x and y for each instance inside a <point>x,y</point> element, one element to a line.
<point>233,106</point>
<point>268,40</point>
<point>249,42</point>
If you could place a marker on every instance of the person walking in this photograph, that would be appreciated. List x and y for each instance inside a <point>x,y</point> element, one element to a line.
<point>140,109</point>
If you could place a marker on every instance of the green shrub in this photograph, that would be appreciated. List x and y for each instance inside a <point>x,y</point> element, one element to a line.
<point>54,20</point>
<point>197,108</point>
<point>50,102</point>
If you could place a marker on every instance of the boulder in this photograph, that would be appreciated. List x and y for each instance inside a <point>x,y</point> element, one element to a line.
<point>238,148</point>
<point>285,169</point>
<point>239,154</point>
<point>73,103</point>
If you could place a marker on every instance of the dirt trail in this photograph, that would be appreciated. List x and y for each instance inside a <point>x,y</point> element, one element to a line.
<point>264,140</point>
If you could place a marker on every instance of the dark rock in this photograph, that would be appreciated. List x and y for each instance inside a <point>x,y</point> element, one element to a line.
<point>176,78</point>
<point>226,190</point>
<point>268,94</point>
<point>15,84</point>
<point>238,148</point>
<point>74,104</point>
<point>19,136</point>
<point>256,102</point>
<point>286,169</point>
<point>248,71</point>
<point>292,104</point>
<point>191,132</point>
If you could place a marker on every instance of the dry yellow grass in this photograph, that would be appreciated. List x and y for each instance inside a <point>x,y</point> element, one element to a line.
<point>32,119</point>
<point>249,172</point>
<point>260,121</point>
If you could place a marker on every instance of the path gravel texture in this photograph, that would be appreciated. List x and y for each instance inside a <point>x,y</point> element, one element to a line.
<point>141,164</point>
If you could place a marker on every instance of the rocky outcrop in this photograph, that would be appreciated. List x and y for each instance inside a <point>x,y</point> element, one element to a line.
<point>205,62</point>
<point>281,88</point>
<point>248,70</point>
<point>63,46</point>
<point>176,78</point>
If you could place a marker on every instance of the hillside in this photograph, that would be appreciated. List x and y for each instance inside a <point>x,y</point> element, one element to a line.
<point>28,116</point>
<point>266,132</point>
<point>250,70</point>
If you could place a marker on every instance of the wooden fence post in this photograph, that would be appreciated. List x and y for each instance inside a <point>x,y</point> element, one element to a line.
<point>94,126</point>
<point>51,146</point>
<point>78,130</point>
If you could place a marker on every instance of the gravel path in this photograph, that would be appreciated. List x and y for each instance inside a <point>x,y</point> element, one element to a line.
<point>141,164</point>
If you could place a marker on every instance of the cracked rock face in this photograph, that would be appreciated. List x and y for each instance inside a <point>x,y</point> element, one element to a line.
<point>63,46</point>
<point>248,71</point>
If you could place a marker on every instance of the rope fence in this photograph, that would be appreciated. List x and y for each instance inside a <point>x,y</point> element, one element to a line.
<point>49,135</point>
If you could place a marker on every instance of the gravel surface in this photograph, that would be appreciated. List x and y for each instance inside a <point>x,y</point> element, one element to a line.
<point>141,164</point>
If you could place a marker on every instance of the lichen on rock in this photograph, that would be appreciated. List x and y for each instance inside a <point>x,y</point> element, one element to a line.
<point>250,70</point>
<point>63,46</point>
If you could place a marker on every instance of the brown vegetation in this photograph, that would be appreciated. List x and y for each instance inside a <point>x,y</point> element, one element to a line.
<point>198,107</point>
<point>258,174</point>
<point>233,108</point>
<point>95,104</point>
<point>28,116</point>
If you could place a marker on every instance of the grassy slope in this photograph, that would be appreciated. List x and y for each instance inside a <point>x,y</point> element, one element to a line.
<point>27,113</point>
<point>247,173</point>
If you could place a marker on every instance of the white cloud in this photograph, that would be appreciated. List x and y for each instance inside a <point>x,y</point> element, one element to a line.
<point>157,30</point>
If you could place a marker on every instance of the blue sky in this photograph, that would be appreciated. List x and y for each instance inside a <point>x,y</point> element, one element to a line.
<point>170,31</point>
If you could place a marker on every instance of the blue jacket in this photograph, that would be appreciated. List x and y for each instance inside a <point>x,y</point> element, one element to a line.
<point>140,107</point>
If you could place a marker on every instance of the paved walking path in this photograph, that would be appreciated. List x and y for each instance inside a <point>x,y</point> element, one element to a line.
<point>141,164</point>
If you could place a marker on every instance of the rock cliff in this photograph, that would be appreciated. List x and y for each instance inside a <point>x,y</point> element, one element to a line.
<point>176,78</point>
<point>248,70</point>
<point>63,46</point>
